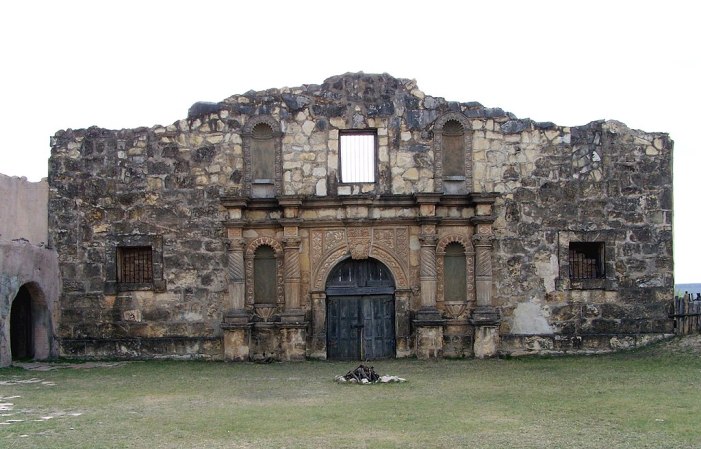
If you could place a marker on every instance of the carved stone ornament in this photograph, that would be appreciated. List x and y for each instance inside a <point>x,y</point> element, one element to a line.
<point>454,309</point>
<point>265,311</point>
<point>389,245</point>
<point>359,243</point>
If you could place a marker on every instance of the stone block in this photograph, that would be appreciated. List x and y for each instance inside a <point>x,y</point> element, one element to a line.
<point>486,341</point>
<point>293,345</point>
<point>429,342</point>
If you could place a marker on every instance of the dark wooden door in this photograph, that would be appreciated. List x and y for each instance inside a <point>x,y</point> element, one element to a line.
<point>360,311</point>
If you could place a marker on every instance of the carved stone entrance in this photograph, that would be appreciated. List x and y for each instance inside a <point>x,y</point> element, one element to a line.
<point>360,311</point>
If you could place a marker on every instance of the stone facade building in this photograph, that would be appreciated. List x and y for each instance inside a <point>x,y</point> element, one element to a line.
<point>360,218</point>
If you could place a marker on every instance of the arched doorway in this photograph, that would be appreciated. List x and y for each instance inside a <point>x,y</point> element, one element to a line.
<point>22,326</point>
<point>360,311</point>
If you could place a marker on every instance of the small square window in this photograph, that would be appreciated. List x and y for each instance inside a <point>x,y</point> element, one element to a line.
<point>587,260</point>
<point>357,154</point>
<point>134,264</point>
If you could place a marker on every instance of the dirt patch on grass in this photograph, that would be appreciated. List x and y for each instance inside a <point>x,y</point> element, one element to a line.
<point>47,366</point>
<point>688,344</point>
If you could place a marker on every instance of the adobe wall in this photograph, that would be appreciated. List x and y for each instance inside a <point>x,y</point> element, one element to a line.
<point>26,262</point>
<point>551,185</point>
<point>24,210</point>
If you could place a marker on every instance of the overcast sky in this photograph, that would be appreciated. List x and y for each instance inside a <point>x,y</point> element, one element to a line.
<point>124,64</point>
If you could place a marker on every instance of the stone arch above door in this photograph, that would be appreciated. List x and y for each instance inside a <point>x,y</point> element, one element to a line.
<point>333,257</point>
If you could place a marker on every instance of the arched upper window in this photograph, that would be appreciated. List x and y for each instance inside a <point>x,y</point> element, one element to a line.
<point>263,154</point>
<point>264,275</point>
<point>452,146</point>
<point>455,273</point>
<point>453,150</point>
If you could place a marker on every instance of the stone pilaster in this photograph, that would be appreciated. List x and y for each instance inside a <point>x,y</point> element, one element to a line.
<point>428,271</point>
<point>318,328</point>
<point>485,317</point>
<point>236,279</point>
<point>292,273</point>
<point>291,242</point>
<point>429,322</point>
<point>293,328</point>
<point>236,327</point>
<point>293,333</point>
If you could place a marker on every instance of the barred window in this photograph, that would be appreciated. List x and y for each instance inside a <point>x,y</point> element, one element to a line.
<point>357,154</point>
<point>134,264</point>
<point>587,260</point>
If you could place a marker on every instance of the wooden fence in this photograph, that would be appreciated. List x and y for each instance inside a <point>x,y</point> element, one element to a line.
<point>686,313</point>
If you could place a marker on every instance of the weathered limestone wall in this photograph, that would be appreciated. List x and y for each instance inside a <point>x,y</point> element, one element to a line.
<point>164,185</point>
<point>24,209</point>
<point>599,182</point>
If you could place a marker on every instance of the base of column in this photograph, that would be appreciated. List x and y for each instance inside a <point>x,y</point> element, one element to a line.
<point>429,341</point>
<point>293,342</point>
<point>429,333</point>
<point>486,320</point>
<point>237,317</point>
<point>292,316</point>
<point>237,341</point>
<point>486,341</point>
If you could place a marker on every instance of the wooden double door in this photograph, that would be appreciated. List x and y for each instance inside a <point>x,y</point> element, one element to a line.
<point>360,311</point>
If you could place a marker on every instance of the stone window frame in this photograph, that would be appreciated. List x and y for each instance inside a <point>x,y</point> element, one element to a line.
<point>439,179</point>
<point>247,138</point>
<point>114,242</point>
<point>249,256</point>
<point>469,266</point>
<point>608,282</point>
<point>359,131</point>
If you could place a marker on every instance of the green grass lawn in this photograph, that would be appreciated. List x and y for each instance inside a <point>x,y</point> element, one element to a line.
<point>642,399</point>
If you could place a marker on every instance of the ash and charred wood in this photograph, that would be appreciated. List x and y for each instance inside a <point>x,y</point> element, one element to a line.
<point>363,372</point>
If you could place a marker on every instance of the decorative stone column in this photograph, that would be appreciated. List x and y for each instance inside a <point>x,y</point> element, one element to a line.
<point>237,322</point>
<point>429,322</point>
<point>485,317</point>
<point>403,322</point>
<point>318,338</point>
<point>292,325</point>
<point>428,272</point>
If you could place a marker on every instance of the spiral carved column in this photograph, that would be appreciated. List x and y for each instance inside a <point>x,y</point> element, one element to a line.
<point>429,323</point>
<point>485,317</point>
<point>428,271</point>
<point>236,326</point>
<point>292,273</point>
<point>236,279</point>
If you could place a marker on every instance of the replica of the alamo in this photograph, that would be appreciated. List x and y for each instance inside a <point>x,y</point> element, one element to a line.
<point>359,219</point>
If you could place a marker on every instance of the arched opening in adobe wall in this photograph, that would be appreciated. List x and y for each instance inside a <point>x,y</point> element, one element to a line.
<point>30,324</point>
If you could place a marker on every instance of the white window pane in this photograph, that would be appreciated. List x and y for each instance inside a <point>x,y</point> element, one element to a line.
<point>357,158</point>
